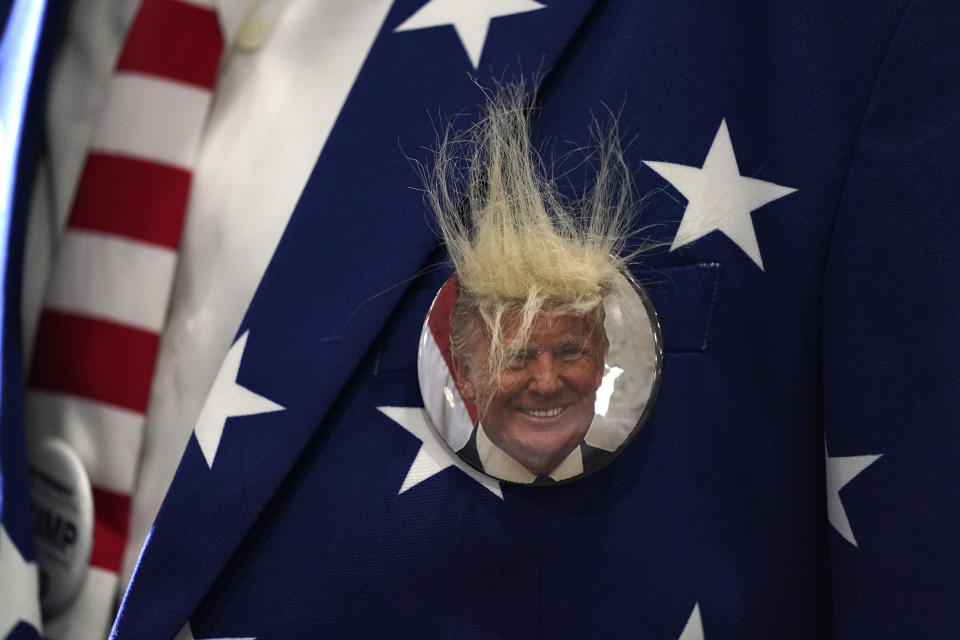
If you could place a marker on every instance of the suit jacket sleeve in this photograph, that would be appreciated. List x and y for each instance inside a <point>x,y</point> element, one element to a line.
<point>891,359</point>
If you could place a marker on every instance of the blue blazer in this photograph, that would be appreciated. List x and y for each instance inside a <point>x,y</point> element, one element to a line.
<point>796,477</point>
<point>21,99</point>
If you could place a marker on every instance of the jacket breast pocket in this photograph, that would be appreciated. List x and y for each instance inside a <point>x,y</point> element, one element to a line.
<point>684,298</point>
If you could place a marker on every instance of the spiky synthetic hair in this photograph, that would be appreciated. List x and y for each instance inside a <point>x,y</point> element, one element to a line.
<point>519,248</point>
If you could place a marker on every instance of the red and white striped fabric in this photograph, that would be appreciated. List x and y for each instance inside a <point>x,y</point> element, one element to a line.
<point>106,302</point>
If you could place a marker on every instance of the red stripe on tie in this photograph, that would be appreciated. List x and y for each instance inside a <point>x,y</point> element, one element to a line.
<point>174,40</point>
<point>94,359</point>
<point>131,197</point>
<point>111,521</point>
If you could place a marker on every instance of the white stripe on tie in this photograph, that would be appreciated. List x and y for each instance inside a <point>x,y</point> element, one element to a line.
<point>106,438</point>
<point>153,119</point>
<point>90,614</point>
<point>119,279</point>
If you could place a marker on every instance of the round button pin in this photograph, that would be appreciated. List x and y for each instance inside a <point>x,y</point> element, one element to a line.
<point>562,406</point>
<point>62,503</point>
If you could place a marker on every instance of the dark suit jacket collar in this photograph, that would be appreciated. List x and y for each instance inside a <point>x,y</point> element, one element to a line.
<point>357,233</point>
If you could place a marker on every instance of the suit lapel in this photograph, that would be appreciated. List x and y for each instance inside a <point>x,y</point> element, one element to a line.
<point>356,237</point>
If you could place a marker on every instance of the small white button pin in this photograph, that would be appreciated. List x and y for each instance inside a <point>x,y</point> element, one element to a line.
<point>62,502</point>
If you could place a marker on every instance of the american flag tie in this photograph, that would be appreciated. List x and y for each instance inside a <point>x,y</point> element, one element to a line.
<point>107,299</point>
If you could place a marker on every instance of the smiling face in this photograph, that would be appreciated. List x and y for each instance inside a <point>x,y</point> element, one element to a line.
<point>540,408</point>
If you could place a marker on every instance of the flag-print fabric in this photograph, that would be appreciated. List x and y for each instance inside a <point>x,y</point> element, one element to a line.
<point>795,478</point>
<point>25,41</point>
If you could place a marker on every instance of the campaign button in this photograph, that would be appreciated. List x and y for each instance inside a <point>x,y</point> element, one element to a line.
<point>62,503</point>
<point>563,404</point>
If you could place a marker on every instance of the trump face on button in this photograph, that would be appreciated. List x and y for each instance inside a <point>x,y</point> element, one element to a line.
<point>533,268</point>
<point>538,404</point>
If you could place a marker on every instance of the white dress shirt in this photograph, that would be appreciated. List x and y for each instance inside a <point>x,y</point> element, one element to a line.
<point>499,464</point>
<point>285,75</point>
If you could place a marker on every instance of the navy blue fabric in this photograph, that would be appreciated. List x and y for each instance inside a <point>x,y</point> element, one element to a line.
<point>891,339</point>
<point>684,298</point>
<point>14,491</point>
<point>848,334</point>
<point>5,7</point>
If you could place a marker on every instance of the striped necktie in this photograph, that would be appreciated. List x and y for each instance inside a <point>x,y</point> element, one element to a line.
<point>106,302</point>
